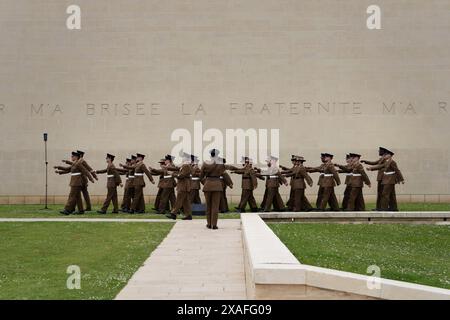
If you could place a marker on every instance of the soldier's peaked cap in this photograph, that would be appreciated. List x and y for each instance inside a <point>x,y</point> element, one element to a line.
<point>300,158</point>
<point>140,155</point>
<point>75,153</point>
<point>81,153</point>
<point>348,156</point>
<point>244,159</point>
<point>194,158</point>
<point>128,159</point>
<point>382,151</point>
<point>355,155</point>
<point>162,160</point>
<point>110,156</point>
<point>133,157</point>
<point>169,157</point>
<point>326,154</point>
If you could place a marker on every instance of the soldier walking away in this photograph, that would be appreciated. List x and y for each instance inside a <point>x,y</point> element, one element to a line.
<point>183,201</point>
<point>357,179</point>
<point>112,181</point>
<point>381,160</point>
<point>76,170</point>
<point>84,187</point>
<point>347,170</point>
<point>329,180</point>
<point>391,176</point>
<point>138,202</point>
<point>249,183</point>
<point>166,187</point>
<point>210,172</point>
<point>195,181</point>
<point>319,169</point>
<point>274,178</point>
<point>298,176</point>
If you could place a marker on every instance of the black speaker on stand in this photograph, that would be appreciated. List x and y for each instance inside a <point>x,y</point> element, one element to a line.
<point>46,171</point>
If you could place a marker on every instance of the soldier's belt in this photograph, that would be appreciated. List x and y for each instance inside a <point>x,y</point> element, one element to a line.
<point>321,174</point>
<point>167,177</point>
<point>138,174</point>
<point>130,177</point>
<point>273,177</point>
<point>390,172</point>
<point>75,174</point>
<point>349,174</point>
<point>327,174</point>
<point>356,174</point>
<point>110,176</point>
<point>195,178</point>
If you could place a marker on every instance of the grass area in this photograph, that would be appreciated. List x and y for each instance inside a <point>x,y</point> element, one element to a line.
<point>34,257</point>
<point>413,253</point>
<point>35,211</point>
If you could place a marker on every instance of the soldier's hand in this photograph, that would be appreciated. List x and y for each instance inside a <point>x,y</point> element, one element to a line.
<point>369,185</point>
<point>363,161</point>
<point>121,185</point>
<point>153,181</point>
<point>310,184</point>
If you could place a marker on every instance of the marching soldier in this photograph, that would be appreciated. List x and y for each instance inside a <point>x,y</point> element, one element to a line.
<point>226,182</point>
<point>84,187</point>
<point>329,180</point>
<point>319,182</point>
<point>249,183</point>
<point>195,181</point>
<point>289,203</point>
<point>138,202</point>
<point>357,178</point>
<point>183,201</point>
<point>274,179</point>
<point>381,160</point>
<point>210,172</point>
<point>166,186</point>
<point>168,163</point>
<point>391,176</point>
<point>76,170</point>
<point>113,180</point>
<point>128,192</point>
<point>347,170</point>
<point>298,176</point>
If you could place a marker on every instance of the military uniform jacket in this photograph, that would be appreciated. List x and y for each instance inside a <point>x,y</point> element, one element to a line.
<point>391,174</point>
<point>113,176</point>
<point>139,170</point>
<point>166,180</point>
<point>318,169</point>
<point>211,172</point>
<point>195,177</point>
<point>249,181</point>
<point>330,176</point>
<point>76,170</point>
<point>226,180</point>
<point>347,169</point>
<point>87,167</point>
<point>298,175</point>
<point>376,163</point>
<point>358,176</point>
<point>184,178</point>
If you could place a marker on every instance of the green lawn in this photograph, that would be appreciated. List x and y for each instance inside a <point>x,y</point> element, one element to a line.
<point>35,211</point>
<point>34,257</point>
<point>413,253</point>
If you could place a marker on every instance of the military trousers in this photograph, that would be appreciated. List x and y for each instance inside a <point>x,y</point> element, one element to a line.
<point>158,199</point>
<point>224,201</point>
<point>195,196</point>
<point>290,202</point>
<point>356,200</point>
<point>183,202</point>
<point>379,194</point>
<point>87,198</point>
<point>273,199</point>
<point>298,200</point>
<point>164,199</point>
<point>247,197</point>
<point>388,198</point>
<point>329,197</point>
<point>212,206</point>
<point>128,195</point>
<point>74,200</point>
<point>319,197</point>
<point>111,196</point>
<point>138,203</point>
<point>347,191</point>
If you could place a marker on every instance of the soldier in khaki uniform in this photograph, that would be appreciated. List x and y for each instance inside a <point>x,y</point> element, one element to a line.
<point>298,176</point>
<point>76,170</point>
<point>249,183</point>
<point>168,163</point>
<point>195,181</point>
<point>347,170</point>
<point>166,187</point>
<point>138,202</point>
<point>274,179</point>
<point>183,201</point>
<point>128,193</point>
<point>112,181</point>
<point>358,177</point>
<point>84,187</point>
<point>319,182</point>
<point>290,203</point>
<point>226,182</point>
<point>391,176</point>
<point>210,173</point>
<point>381,160</point>
<point>329,180</point>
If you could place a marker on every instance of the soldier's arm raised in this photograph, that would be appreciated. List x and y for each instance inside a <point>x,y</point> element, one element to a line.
<point>62,168</point>
<point>85,172</point>
<point>88,167</point>
<point>148,174</point>
<point>370,163</point>
<point>303,173</point>
<point>100,171</point>
<point>67,162</point>
<point>335,176</point>
<point>126,166</point>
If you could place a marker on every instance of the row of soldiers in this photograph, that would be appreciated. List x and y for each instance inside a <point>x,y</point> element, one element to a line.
<point>187,178</point>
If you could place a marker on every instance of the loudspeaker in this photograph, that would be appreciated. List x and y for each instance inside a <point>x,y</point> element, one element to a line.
<point>198,209</point>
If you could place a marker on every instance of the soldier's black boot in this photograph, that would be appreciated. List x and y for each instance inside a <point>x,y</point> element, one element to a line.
<point>65,212</point>
<point>101,212</point>
<point>131,211</point>
<point>80,212</point>
<point>115,211</point>
<point>215,227</point>
<point>171,216</point>
<point>187,218</point>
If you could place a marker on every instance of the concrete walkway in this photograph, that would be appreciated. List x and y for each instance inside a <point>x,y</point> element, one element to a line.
<point>193,262</point>
<point>82,220</point>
